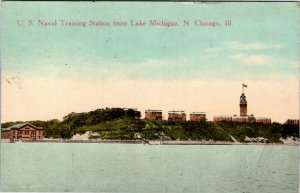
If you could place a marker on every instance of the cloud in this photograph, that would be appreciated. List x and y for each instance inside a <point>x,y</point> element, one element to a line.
<point>292,63</point>
<point>252,59</point>
<point>183,67</point>
<point>265,60</point>
<point>236,45</point>
<point>252,46</point>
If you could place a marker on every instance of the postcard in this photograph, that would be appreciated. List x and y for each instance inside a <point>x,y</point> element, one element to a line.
<point>150,97</point>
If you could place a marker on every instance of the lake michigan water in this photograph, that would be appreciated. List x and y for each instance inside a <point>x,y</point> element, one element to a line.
<point>60,167</point>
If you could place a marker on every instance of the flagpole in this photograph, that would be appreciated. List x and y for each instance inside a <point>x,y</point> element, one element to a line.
<point>242,89</point>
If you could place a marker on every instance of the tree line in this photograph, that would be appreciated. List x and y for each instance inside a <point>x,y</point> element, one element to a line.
<point>118,123</point>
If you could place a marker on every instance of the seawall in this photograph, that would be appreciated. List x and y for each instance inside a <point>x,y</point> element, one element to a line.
<point>145,142</point>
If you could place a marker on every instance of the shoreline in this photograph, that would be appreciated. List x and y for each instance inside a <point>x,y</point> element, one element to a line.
<point>151,142</point>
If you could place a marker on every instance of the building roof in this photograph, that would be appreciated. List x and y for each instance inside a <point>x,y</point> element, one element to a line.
<point>222,116</point>
<point>154,111</point>
<point>263,118</point>
<point>241,117</point>
<point>198,113</point>
<point>19,126</point>
<point>176,112</point>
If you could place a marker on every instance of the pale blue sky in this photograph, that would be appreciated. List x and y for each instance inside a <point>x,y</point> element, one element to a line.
<point>261,45</point>
<point>270,24</point>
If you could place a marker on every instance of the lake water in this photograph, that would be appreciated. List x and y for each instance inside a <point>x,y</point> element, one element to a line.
<point>149,168</point>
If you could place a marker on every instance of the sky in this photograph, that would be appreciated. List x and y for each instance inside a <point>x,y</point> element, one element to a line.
<point>50,71</point>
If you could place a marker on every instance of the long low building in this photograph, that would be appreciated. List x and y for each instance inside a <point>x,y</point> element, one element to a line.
<point>263,120</point>
<point>242,119</point>
<point>23,131</point>
<point>222,118</point>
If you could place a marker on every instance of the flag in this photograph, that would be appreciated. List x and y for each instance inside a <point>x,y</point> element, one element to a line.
<point>244,85</point>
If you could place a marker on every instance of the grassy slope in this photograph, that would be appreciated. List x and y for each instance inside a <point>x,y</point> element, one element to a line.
<point>163,130</point>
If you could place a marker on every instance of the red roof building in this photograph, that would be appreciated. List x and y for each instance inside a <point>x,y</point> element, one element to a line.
<point>23,131</point>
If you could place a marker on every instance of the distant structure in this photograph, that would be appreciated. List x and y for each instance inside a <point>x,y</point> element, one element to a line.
<point>23,131</point>
<point>243,102</point>
<point>222,118</point>
<point>292,121</point>
<point>176,116</point>
<point>263,120</point>
<point>198,116</point>
<point>243,105</point>
<point>153,115</point>
<point>244,117</point>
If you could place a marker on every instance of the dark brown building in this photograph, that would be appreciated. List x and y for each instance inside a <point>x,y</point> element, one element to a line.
<point>153,115</point>
<point>176,116</point>
<point>198,116</point>
<point>23,131</point>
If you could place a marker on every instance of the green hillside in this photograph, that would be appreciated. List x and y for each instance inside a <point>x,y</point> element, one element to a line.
<point>124,124</point>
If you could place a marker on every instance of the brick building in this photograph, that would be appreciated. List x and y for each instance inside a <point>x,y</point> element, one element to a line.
<point>243,118</point>
<point>176,116</point>
<point>222,118</point>
<point>197,116</point>
<point>23,131</point>
<point>153,115</point>
<point>263,120</point>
